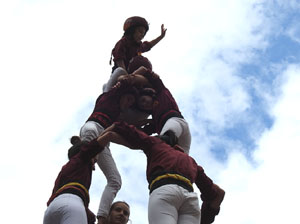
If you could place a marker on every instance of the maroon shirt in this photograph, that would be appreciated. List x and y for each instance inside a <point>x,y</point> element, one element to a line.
<point>125,49</point>
<point>166,107</point>
<point>107,108</point>
<point>78,168</point>
<point>162,158</point>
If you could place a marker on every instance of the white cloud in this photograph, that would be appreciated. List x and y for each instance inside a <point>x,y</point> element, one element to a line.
<point>54,59</point>
<point>267,192</point>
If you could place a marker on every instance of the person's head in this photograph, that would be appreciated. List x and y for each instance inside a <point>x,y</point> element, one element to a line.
<point>77,144</point>
<point>137,62</point>
<point>135,27</point>
<point>119,213</point>
<point>138,33</point>
<point>146,100</point>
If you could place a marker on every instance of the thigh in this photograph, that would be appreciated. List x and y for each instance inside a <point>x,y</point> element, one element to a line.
<point>185,139</point>
<point>66,209</point>
<point>49,217</point>
<point>107,164</point>
<point>90,130</point>
<point>114,78</point>
<point>189,212</point>
<point>182,131</point>
<point>163,205</point>
<point>75,212</point>
<point>173,125</point>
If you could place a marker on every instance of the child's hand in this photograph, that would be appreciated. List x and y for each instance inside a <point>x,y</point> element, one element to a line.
<point>163,31</point>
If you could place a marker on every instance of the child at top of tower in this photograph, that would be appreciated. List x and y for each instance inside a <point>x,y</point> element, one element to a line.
<point>131,45</point>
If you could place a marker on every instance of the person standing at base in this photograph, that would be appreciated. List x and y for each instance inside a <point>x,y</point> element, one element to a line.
<point>107,109</point>
<point>131,45</point>
<point>119,213</point>
<point>170,174</point>
<point>69,201</point>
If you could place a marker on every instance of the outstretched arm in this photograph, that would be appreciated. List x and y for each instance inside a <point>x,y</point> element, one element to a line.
<point>128,135</point>
<point>212,196</point>
<point>152,78</point>
<point>110,136</point>
<point>114,78</point>
<point>160,37</point>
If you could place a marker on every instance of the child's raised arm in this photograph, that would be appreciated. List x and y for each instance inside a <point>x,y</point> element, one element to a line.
<point>160,37</point>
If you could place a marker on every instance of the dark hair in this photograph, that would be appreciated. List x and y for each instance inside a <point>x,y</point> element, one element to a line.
<point>112,207</point>
<point>135,21</point>
<point>129,32</point>
<point>114,204</point>
<point>77,143</point>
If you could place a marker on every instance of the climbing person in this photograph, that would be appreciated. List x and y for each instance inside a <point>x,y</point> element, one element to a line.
<point>135,63</point>
<point>170,174</point>
<point>131,115</point>
<point>131,45</point>
<point>107,110</point>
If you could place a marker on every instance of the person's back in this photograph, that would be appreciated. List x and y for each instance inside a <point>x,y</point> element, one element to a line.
<point>171,174</point>
<point>70,196</point>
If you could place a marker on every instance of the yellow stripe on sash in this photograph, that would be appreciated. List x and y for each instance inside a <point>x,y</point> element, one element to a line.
<point>174,176</point>
<point>74,184</point>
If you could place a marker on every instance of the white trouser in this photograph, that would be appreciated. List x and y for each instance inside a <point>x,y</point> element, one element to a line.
<point>89,131</point>
<point>182,131</point>
<point>66,209</point>
<point>114,78</point>
<point>172,204</point>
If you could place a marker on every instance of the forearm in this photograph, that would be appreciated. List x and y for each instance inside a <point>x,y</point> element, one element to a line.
<point>114,137</point>
<point>160,37</point>
<point>155,41</point>
<point>139,80</point>
<point>114,78</point>
<point>137,139</point>
<point>205,184</point>
<point>109,135</point>
<point>136,79</point>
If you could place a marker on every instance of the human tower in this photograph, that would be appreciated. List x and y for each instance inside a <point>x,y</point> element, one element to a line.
<point>138,111</point>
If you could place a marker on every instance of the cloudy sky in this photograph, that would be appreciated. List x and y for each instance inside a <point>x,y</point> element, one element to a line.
<point>232,65</point>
